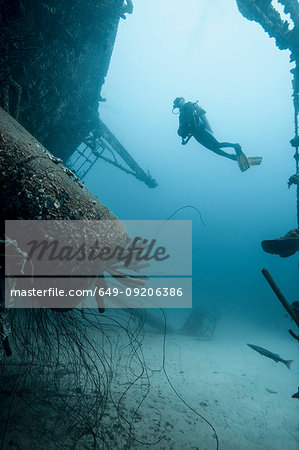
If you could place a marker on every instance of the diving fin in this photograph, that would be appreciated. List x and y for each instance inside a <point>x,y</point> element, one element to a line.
<point>254,160</point>
<point>242,160</point>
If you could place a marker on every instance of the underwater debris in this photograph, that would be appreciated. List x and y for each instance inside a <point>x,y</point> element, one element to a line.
<point>284,246</point>
<point>270,391</point>
<point>296,395</point>
<point>264,13</point>
<point>286,38</point>
<point>293,313</point>
<point>271,355</point>
<point>200,324</point>
<point>35,184</point>
<point>54,59</point>
<point>295,141</point>
<point>294,335</point>
<point>295,308</point>
<point>101,143</point>
<point>292,309</point>
<point>294,179</point>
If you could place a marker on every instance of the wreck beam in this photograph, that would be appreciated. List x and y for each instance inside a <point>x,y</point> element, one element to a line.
<point>103,131</point>
<point>280,296</point>
<point>36,185</point>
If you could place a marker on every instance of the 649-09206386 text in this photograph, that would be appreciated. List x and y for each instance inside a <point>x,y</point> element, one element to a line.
<point>111,292</point>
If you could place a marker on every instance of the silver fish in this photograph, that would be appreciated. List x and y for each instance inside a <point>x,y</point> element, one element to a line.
<point>271,355</point>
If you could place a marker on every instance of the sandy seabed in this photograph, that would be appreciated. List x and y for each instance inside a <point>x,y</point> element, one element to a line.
<point>245,396</point>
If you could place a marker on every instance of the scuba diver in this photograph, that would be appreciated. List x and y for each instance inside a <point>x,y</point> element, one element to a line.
<point>193,122</point>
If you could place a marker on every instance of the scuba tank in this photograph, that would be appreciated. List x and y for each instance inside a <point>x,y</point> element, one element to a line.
<point>189,119</point>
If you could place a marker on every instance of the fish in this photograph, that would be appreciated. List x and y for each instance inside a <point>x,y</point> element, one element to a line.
<point>296,395</point>
<point>271,355</point>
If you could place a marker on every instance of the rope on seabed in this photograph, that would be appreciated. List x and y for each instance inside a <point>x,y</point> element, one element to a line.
<point>176,392</point>
<point>215,435</point>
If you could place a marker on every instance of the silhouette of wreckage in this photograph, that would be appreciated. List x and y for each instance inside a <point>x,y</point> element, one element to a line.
<point>200,324</point>
<point>284,246</point>
<point>286,38</point>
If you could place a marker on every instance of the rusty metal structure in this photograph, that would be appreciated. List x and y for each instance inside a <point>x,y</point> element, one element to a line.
<point>102,144</point>
<point>54,57</point>
<point>286,37</point>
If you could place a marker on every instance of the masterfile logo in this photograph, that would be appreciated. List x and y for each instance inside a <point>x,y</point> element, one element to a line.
<point>67,264</point>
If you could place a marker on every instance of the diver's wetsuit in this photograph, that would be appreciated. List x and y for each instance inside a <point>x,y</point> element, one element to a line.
<point>191,117</point>
<point>193,122</point>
